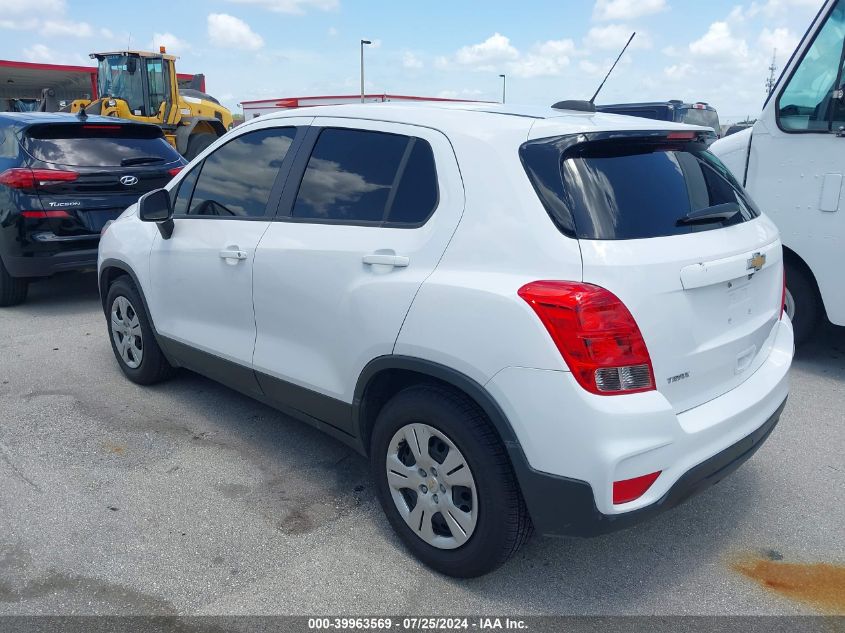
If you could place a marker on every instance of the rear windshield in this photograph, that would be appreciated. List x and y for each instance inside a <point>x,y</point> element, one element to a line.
<point>612,190</point>
<point>99,145</point>
<point>707,118</point>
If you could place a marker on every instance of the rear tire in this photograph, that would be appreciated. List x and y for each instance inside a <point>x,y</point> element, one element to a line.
<point>197,143</point>
<point>13,290</point>
<point>804,306</point>
<point>132,339</point>
<point>485,498</point>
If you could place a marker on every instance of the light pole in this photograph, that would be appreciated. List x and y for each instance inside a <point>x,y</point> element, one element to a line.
<point>363,42</point>
<point>504,80</point>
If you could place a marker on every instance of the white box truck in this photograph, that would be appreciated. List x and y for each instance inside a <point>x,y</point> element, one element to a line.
<point>792,162</point>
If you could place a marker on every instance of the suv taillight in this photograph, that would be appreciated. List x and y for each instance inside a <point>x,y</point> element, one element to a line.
<point>595,333</point>
<point>783,293</point>
<point>25,178</point>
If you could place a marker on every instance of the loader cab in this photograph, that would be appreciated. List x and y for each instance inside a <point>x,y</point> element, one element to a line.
<point>145,81</point>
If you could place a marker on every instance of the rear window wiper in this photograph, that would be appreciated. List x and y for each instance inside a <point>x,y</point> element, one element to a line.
<point>141,160</point>
<point>716,213</point>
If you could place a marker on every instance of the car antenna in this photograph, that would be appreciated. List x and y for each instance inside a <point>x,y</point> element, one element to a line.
<point>625,48</point>
<point>82,115</point>
<point>590,106</point>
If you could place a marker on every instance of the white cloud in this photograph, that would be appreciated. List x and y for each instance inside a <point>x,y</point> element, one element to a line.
<point>292,6</point>
<point>495,49</point>
<point>497,54</point>
<point>39,53</point>
<point>332,31</point>
<point>781,39</point>
<point>614,37</point>
<point>774,8</point>
<point>173,44</point>
<point>678,71</point>
<point>64,28</point>
<point>626,9</point>
<point>107,34</point>
<point>409,60</point>
<point>228,31</point>
<point>720,44</point>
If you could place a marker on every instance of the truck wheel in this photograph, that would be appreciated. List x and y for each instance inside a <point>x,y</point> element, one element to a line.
<point>445,482</point>
<point>13,290</point>
<point>803,305</point>
<point>197,143</point>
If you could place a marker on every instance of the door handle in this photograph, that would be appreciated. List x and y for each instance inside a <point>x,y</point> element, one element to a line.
<point>379,259</point>
<point>234,253</point>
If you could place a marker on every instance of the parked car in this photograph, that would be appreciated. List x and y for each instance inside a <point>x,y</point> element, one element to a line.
<point>474,297</point>
<point>737,127</point>
<point>792,161</point>
<point>693,113</point>
<point>62,178</point>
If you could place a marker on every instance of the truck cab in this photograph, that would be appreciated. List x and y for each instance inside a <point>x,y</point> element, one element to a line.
<point>792,163</point>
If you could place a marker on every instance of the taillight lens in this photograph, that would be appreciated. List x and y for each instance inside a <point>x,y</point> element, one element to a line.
<point>24,178</point>
<point>596,334</point>
<point>174,171</point>
<point>783,293</point>
<point>42,215</point>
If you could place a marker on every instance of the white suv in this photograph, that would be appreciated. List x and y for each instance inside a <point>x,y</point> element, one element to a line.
<point>524,317</point>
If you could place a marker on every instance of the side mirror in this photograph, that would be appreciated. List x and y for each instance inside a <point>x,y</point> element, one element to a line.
<point>155,206</point>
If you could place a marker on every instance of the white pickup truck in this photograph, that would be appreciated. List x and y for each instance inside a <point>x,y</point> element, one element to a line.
<point>792,162</point>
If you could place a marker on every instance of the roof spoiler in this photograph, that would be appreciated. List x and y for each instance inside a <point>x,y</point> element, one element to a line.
<point>577,105</point>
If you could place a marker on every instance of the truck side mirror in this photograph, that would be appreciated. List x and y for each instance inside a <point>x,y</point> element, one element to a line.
<point>155,206</point>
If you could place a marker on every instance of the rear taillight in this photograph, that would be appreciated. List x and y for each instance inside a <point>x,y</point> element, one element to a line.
<point>24,178</point>
<point>174,171</point>
<point>783,294</point>
<point>596,334</point>
<point>42,215</point>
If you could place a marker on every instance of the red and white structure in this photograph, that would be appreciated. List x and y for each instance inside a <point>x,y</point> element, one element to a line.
<point>253,109</point>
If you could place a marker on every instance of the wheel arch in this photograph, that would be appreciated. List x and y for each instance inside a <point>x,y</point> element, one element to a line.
<point>197,125</point>
<point>385,376</point>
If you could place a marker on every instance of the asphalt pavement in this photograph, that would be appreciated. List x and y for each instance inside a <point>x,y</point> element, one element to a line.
<point>189,498</point>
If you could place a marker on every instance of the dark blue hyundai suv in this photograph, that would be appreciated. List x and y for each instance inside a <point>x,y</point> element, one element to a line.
<point>62,177</point>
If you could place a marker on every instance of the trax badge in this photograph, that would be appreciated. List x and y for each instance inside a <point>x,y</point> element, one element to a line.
<point>757,261</point>
<point>129,180</point>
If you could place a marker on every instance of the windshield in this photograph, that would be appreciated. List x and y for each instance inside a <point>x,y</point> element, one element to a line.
<point>119,76</point>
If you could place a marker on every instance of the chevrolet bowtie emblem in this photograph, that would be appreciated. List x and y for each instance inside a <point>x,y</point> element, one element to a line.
<point>757,261</point>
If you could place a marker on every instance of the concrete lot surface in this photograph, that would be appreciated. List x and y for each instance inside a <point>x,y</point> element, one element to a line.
<point>190,498</point>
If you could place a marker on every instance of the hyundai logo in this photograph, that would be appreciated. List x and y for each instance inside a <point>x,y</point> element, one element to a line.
<point>128,180</point>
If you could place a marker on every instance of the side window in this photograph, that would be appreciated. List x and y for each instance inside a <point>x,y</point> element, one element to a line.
<point>807,102</point>
<point>236,179</point>
<point>356,176</point>
<point>157,80</point>
<point>182,195</point>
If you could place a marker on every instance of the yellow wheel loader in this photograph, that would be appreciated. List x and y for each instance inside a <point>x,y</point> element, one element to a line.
<point>143,87</point>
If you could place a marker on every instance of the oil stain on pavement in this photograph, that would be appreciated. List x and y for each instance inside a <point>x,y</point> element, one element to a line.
<point>819,585</point>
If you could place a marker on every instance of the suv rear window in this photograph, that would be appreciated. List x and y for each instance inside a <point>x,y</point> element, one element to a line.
<point>633,189</point>
<point>99,145</point>
<point>699,116</point>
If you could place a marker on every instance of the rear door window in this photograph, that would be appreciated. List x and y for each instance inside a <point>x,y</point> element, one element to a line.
<point>634,190</point>
<point>235,180</point>
<point>99,145</point>
<point>366,177</point>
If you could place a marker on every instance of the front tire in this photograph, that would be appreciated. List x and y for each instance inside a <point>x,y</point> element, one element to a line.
<point>445,482</point>
<point>803,305</point>
<point>132,339</point>
<point>13,290</point>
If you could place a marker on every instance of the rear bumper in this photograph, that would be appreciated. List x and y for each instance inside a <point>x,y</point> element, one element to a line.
<point>571,445</point>
<point>574,512</point>
<point>46,264</point>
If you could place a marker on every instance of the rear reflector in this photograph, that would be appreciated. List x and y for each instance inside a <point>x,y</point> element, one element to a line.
<point>632,489</point>
<point>596,335</point>
<point>41,215</point>
<point>24,178</point>
<point>174,171</point>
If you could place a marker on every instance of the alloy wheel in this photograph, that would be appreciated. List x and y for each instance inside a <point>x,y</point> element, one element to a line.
<point>432,486</point>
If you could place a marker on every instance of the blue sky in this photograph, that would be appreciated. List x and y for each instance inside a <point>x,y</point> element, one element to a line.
<point>698,50</point>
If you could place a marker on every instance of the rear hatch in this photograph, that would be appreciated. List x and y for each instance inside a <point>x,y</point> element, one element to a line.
<point>99,169</point>
<point>664,226</point>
